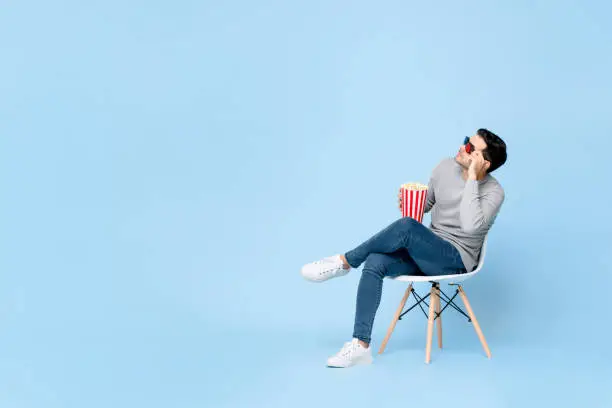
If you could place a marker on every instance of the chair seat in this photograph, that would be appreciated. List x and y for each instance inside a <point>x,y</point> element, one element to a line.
<point>452,278</point>
<point>435,278</point>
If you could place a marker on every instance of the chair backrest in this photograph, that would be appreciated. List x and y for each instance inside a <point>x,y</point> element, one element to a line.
<point>482,255</point>
<point>464,276</point>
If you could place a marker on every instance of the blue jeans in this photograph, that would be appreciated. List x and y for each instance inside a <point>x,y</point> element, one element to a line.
<point>406,247</point>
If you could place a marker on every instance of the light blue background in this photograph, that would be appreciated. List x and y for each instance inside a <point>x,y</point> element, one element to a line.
<point>167,168</point>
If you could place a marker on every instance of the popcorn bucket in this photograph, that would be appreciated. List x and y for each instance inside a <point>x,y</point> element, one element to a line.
<point>413,200</point>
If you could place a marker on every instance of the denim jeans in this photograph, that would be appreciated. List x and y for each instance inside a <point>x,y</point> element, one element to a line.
<point>405,247</point>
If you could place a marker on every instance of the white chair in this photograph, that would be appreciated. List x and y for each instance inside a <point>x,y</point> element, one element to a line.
<point>434,293</point>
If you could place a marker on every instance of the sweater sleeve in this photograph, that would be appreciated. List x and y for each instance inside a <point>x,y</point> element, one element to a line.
<point>477,211</point>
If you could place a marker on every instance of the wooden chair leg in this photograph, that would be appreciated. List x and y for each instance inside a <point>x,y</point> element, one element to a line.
<point>474,321</point>
<point>430,324</point>
<point>439,319</point>
<point>398,312</point>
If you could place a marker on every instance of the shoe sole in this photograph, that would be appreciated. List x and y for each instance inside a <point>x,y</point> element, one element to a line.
<point>367,362</point>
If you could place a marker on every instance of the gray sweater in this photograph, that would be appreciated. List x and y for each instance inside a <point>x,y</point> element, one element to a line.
<point>462,211</point>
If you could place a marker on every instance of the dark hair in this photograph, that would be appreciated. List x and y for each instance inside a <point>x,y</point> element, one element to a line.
<point>495,151</point>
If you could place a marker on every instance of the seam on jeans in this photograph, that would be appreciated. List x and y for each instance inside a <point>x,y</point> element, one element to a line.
<point>379,294</point>
<point>375,309</point>
<point>370,319</point>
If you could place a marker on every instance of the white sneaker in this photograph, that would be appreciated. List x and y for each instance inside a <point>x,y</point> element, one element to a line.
<point>326,268</point>
<point>351,354</point>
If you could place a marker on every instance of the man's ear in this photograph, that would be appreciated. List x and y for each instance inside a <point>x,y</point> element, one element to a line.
<point>487,164</point>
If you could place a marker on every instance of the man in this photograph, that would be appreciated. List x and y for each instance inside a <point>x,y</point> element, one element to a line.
<point>464,199</point>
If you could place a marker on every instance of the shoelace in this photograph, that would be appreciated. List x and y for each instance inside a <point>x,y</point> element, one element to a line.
<point>329,269</point>
<point>348,349</point>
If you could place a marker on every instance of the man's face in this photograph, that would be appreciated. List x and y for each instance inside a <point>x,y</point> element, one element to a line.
<point>464,158</point>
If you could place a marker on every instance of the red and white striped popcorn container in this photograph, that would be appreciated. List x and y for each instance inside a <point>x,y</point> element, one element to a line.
<point>413,200</point>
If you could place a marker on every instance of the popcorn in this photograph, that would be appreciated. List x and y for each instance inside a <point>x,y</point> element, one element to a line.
<point>413,199</point>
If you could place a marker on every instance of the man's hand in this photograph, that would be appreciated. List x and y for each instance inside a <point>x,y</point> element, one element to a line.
<point>478,166</point>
